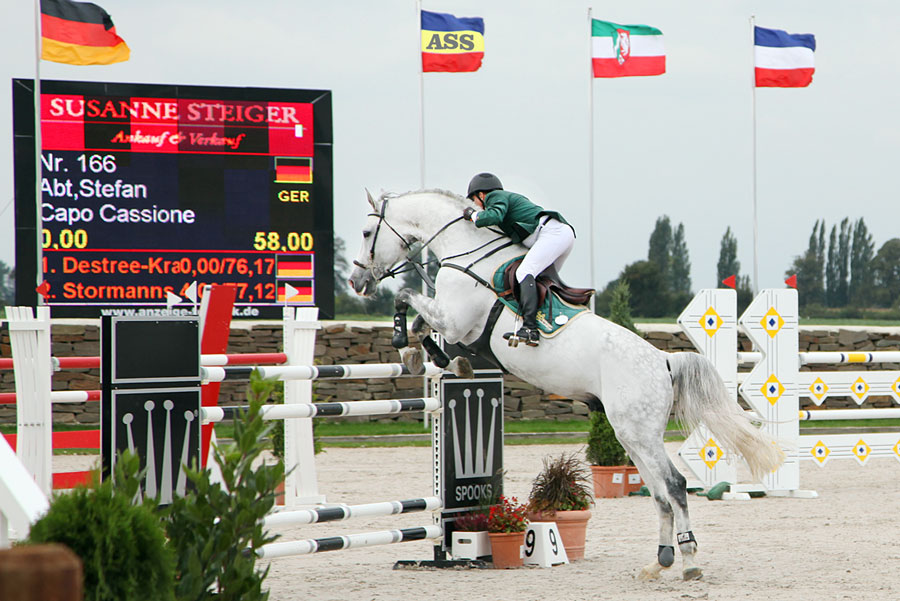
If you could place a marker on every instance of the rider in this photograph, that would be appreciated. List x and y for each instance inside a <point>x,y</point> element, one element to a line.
<point>547,235</point>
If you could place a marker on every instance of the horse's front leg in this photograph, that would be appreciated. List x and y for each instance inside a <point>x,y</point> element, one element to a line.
<point>460,366</point>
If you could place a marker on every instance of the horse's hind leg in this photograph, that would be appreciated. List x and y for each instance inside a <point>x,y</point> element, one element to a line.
<point>669,490</point>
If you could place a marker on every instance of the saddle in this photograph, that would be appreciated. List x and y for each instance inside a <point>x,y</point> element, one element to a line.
<point>547,281</point>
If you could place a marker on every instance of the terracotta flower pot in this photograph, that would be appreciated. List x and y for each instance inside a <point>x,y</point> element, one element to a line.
<point>572,526</point>
<point>506,549</point>
<point>633,480</point>
<point>609,481</point>
<point>279,493</point>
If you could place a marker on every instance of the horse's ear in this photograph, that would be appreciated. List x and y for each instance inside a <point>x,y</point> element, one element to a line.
<point>371,200</point>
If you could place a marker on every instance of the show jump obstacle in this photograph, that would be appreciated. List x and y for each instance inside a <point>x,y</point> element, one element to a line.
<point>151,378</point>
<point>775,384</point>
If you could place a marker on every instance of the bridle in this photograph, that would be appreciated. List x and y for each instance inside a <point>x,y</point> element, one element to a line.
<point>411,247</point>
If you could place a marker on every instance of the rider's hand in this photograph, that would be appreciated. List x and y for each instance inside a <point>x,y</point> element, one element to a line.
<point>468,212</point>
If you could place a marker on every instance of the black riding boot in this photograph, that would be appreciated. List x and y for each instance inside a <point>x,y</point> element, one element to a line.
<point>528,305</point>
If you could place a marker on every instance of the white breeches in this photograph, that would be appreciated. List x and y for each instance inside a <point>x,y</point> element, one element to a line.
<point>550,244</point>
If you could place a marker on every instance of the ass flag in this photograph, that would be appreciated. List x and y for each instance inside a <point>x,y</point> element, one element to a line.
<point>782,59</point>
<point>451,44</point>
<point>79,33</point>
<point>626,50</point>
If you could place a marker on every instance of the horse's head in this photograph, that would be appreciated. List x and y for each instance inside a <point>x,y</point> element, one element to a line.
<point>383,245</point>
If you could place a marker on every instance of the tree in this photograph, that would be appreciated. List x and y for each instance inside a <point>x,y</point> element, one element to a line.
<point>831,270</point>
<point>660,251</point>
<point>808,268</point>
<point>886,273</point>
<point>649,297</point>
<point>862,252</point>
<point>728,264</point>
<point>7,285</point>
<point>681,263</point>
<point>843,270</point>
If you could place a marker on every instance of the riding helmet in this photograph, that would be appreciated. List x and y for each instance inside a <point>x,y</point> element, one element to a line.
<point>484,182</point>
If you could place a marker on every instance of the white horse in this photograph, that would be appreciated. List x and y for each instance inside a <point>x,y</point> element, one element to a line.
<point>592,360</point>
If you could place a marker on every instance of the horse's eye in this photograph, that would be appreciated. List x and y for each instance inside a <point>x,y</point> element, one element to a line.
<point>367,233</point>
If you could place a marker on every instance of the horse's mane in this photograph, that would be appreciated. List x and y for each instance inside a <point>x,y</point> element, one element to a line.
<point>452,196</point>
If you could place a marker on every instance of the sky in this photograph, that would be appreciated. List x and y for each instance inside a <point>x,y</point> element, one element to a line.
<point>680,144</point>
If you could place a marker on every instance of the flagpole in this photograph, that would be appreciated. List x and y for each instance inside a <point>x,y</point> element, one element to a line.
<point>753,88</point>
<point>591,153</point>
<point>421,99</point>
<point>39,271</point>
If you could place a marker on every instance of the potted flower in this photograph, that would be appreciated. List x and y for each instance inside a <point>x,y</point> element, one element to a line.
<point>469,539</point>
<point>507,522</point>
<point>561,493</point>
<point>607,458</point>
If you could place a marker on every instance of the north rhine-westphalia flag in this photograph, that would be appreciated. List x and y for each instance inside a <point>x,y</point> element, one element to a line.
<point>79,33</point>
<point>626,50</point>
<point>451,44</point>
<point>782,59</point>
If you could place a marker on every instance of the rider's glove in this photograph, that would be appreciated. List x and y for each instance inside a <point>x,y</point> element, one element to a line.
<point>468,212</point>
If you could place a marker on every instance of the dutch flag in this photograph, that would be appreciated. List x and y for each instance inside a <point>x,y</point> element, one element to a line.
<point>782,59</point>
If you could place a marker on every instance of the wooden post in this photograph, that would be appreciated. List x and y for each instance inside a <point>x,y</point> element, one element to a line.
<point>40,573</point>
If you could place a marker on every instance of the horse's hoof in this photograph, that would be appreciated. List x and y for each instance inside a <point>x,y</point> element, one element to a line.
<point>692,574</point>
<point>412,359</point>
<point>651,571</point>
<point>461,368</point>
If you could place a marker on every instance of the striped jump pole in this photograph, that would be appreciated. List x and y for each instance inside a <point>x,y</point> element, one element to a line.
<point>57,396</point>
<point>827,357</point>
<point>206,359</point>
<point>350,541</point>
<point>349,408</point>
<point>315,372</point>
<point>345,512</point>
<point>833,414</point>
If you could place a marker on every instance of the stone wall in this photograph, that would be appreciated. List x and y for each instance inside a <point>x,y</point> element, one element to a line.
<point>369,342</point>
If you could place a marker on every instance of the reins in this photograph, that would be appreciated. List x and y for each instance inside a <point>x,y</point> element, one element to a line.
<point>421,266</point>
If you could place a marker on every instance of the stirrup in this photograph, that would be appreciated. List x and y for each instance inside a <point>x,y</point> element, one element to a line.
<point>529,336</point>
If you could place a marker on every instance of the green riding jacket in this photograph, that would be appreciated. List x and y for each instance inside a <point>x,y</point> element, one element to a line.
<point>517,216</point>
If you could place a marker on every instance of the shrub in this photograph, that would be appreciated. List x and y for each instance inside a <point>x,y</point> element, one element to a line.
<point>214,528</point>
<point>122,546</point>
<point>603,446</point>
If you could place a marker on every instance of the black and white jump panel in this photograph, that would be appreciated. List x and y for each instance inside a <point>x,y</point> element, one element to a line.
<point>150,402</point>
<point>471,442</point>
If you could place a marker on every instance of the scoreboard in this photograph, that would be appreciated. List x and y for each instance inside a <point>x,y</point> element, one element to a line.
<point>148,189</point>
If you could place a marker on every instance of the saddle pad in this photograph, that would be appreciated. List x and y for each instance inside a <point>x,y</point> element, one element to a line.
<point>553,314</point>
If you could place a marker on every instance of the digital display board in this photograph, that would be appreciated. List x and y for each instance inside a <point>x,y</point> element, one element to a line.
<point>146,189</point>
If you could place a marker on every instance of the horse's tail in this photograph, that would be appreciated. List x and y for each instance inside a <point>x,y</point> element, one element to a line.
<point>701,395</point>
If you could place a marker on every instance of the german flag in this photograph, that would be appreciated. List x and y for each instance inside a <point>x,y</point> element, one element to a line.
<point>295,292</point>
<point>300,266</point>
<point>293,170</point>
<point>79,33</point>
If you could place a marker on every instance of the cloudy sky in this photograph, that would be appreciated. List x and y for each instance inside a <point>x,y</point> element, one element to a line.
<point>679,144</point>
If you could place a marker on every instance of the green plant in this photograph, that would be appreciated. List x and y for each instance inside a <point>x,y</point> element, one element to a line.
<point>508,515</point>
<point>122,546</point>
<point>603,447</point>
<point>620,306</point>
<point>564,484</point>
<point>471,522</point>
<point>215,527</point>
